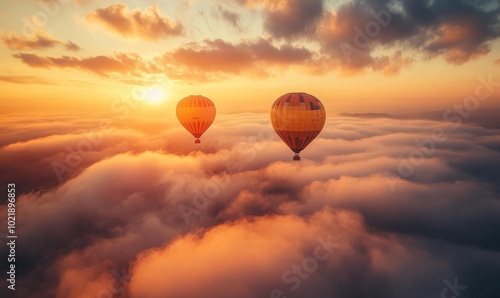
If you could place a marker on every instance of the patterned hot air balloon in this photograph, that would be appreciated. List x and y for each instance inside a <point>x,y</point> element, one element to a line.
<point>196,114</point>
<point>298,118</point>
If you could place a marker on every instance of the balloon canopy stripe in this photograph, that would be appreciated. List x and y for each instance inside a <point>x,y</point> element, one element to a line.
<point>298,142</point>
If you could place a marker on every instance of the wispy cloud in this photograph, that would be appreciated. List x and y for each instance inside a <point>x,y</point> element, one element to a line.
<point>102,65</point>
<point>25,80</point>
<point>37,41</point>
<point>149,24</point>
<point>71,46</point>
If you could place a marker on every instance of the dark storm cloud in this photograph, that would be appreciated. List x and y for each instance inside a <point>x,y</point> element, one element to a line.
<point>252,214</point>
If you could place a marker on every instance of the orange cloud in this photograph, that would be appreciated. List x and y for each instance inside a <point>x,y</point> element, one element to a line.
<point>211,60</point>
<point>37,41</point>
<point>392,65</point>
<point>71,46</point>
<point>25,80</point>
<point>149,24</point>
<point>459,56</point>
<point>103,65</point>
<point>251,258</point>
<point>347,40</point>
<point>218,56</point>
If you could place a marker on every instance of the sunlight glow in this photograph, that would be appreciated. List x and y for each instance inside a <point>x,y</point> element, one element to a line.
<point>155,95</point>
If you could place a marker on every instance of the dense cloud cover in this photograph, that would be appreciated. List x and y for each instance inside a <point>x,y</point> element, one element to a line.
<point>146,213</point>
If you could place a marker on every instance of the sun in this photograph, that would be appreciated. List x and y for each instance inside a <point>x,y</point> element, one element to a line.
<point>155,95</point>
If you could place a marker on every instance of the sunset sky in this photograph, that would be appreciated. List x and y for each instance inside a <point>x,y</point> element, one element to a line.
<point>81,53</point>
<point>397,197</point>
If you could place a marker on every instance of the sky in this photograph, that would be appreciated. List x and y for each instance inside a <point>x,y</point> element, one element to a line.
<point>357,56</point>
<point>398,196</point>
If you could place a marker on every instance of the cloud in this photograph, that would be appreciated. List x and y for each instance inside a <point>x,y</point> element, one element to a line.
<point>310,36</point>
<point>20,42</point>
<point>236,216</point>
<point>37,41</point>
<point>208,61</point>
<point>355,37</point>
<point>352,33</point>
<point>78,2</point>
<point>219,57</point>
<point>284,242</point>
<point>121,63</point>
<point>289,18</point>
<point>458,31</point>
<point>392,65</point>
<point>460,40</point>
<point>25,80</point>
<point>229,16</point>
<point>71,46</point>
<point>149,24</point>
<point>60,139</point>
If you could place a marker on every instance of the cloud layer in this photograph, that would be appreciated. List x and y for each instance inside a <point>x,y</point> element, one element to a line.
<point>237,217</point>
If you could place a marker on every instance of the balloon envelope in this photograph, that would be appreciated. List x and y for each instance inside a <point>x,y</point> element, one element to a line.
<point>298,118</point>
<point>196,113</point>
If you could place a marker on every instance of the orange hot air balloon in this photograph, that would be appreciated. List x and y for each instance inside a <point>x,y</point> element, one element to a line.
<point>298,118</point>
<point>196,113</point>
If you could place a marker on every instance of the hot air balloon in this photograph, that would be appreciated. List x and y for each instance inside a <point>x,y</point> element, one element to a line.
<point>196,113</point>
<point>298,118</point>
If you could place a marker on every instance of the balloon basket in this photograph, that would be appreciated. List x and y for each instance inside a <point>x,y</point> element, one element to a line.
<point>197,141</point>
<point>296,157</point>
